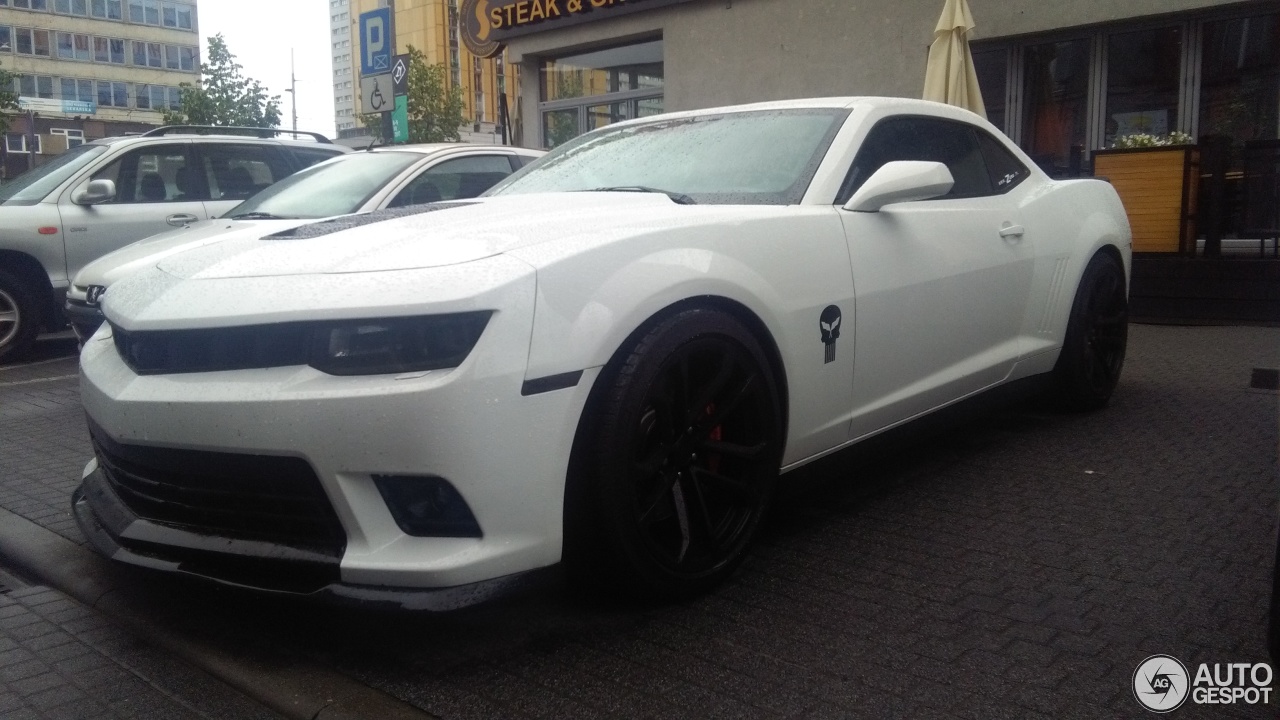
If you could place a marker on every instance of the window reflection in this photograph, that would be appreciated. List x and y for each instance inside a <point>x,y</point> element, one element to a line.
<point>1240,78</point>
<point>1143,83</point>
<point>1057,86</point>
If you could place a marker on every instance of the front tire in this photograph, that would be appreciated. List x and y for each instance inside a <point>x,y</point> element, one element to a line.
<point>20,319</point>
<point>683,456</point>
<point>1097,334</point>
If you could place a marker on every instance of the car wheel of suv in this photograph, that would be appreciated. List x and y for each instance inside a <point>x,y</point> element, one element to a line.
<point>19,317</point>
<point>1097,334</point>
<point>686,451</point>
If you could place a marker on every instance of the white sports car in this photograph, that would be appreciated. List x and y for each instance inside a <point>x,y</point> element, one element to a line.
<point>610,360</point>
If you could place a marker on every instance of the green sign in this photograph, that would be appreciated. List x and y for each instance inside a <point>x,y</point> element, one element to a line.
<point>400,119</point>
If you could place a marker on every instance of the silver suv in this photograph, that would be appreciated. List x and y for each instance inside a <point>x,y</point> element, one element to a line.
<point>108,193</point>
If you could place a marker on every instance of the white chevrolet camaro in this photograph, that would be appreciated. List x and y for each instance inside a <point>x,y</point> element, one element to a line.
<point>609,360</point>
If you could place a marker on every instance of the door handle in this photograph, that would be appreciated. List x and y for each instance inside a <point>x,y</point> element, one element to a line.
<point>1012,232</point>
<point>180,219</point>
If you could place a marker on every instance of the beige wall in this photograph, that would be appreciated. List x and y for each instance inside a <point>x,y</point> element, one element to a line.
<point>719,52</point>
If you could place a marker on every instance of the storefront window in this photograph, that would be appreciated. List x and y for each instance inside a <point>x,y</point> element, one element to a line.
<point>1143,83</point>
<point>1240,78</point>
<point>1055,105</point>
<point>993,74</point>
<point>613,84</point>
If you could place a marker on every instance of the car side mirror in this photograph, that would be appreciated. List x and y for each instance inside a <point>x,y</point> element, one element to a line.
<point>901,181</point>
<point>97,191</point>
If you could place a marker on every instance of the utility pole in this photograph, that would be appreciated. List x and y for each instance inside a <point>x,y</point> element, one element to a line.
<point>293,90</point>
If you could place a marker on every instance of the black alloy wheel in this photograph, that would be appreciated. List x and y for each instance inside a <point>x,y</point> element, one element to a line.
<point>1097,334</point>
<point>687,453</point>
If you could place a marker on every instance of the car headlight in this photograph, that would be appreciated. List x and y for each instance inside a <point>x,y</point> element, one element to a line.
<point>342,347</point>
<point>396,345</point>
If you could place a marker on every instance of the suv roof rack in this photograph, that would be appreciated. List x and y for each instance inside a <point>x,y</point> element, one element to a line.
<point>233,130</point>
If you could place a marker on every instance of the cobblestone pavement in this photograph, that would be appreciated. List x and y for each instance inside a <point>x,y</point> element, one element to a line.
<point>1018,565</point>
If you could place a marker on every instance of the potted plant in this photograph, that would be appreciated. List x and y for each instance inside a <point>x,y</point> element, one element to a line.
<point>1156,178</point>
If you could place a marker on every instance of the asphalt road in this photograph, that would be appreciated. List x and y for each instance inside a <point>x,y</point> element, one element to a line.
<point>1014,564</point>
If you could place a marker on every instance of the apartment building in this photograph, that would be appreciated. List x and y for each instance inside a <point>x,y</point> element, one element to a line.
<point>87,69</point>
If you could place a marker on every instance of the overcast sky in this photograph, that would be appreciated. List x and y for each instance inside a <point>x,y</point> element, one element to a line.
<point>260,34</point>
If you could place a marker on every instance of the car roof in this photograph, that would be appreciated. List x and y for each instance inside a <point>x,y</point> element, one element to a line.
<point>906,105</point>
<point>431,148</point>
<point>220,138</point>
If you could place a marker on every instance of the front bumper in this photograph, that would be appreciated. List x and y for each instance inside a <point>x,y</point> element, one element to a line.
<point>108,524</point>
<point>85,318</point>
<point>505,453</point>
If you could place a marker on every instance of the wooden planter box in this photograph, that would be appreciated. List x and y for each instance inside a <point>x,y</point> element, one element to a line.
<point>1158,187</point>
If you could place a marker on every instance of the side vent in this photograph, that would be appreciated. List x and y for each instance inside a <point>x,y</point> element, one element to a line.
<point>1054,299</point>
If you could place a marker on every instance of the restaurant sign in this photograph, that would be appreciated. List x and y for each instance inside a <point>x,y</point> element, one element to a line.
<point>488,24</point>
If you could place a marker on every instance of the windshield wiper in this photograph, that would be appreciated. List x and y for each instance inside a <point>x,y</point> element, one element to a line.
<point>676,197</point>
<point>259,216</point>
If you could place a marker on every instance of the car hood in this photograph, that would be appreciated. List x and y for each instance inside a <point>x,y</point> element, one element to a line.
<point>448,234</point>
<point>133,257</point>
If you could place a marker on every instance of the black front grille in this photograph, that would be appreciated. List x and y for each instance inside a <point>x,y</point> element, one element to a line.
<point>239,496</point>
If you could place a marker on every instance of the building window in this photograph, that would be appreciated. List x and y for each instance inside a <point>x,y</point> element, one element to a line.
<point>582,92</point>
<point>31,4</point>
<point>17,142</point>
<point>32,42</point>
<point>6,38</point>
<point>1144,72</point>
<point>1056,98</point>
<point>106,9</point>
<point>79,90</point>
<point>71,7</point>
<point>1241,78</point>
<point>37,86</point>
<point>113,94</point>
<point>75,138</point>
<point>73,46</point>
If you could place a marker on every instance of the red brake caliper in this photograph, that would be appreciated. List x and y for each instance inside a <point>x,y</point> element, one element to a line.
<point>713,460</point>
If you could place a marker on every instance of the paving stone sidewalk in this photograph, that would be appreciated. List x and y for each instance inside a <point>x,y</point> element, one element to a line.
<point>61,660</point>
<point>1020,565</point>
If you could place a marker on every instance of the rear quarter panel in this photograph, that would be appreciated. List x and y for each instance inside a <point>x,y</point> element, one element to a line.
<point>1070,221</point>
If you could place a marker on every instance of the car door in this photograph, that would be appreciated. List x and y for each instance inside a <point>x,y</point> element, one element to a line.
<point>455,178</point>
<point>235,171</point>
<point>941,285</point>
<point>156,190</point>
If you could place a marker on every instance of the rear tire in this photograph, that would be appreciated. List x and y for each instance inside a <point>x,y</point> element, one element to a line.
<point>20,317</point>
<point>1097,334</point>
<point>680,463</point>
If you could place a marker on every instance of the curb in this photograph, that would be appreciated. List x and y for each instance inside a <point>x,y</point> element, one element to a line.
<point>293,689</point>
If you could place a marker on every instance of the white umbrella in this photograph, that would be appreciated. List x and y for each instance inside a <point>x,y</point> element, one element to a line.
<point>950,76</point>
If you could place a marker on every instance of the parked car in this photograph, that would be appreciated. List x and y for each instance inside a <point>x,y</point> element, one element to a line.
<point>389,177</point>
<point>607,360</point>
<point>108,193</point>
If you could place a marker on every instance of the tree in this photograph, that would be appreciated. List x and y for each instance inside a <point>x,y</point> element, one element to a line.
<point>435,110</point>
<point>8,99</point>
<point>223,96</point>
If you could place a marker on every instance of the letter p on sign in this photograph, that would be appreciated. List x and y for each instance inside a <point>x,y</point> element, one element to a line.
<point>375,55</point>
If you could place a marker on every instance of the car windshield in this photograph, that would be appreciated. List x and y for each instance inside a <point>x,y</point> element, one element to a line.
<point>335,187</point>
<point>757,157</point>
<point>34,185</point>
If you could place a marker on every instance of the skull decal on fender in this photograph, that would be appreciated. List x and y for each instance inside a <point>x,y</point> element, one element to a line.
<point>829,324</point>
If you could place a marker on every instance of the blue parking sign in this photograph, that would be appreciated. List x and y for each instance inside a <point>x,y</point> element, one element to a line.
<point>376,42</point>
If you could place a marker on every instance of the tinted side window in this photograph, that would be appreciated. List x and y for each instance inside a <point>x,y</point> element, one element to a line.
<point>306,157</point>
<point>155,173</point>
<point>456,179</point>
<point>1005,169</point>
<point>915,138</point>
<point>236,171</point>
